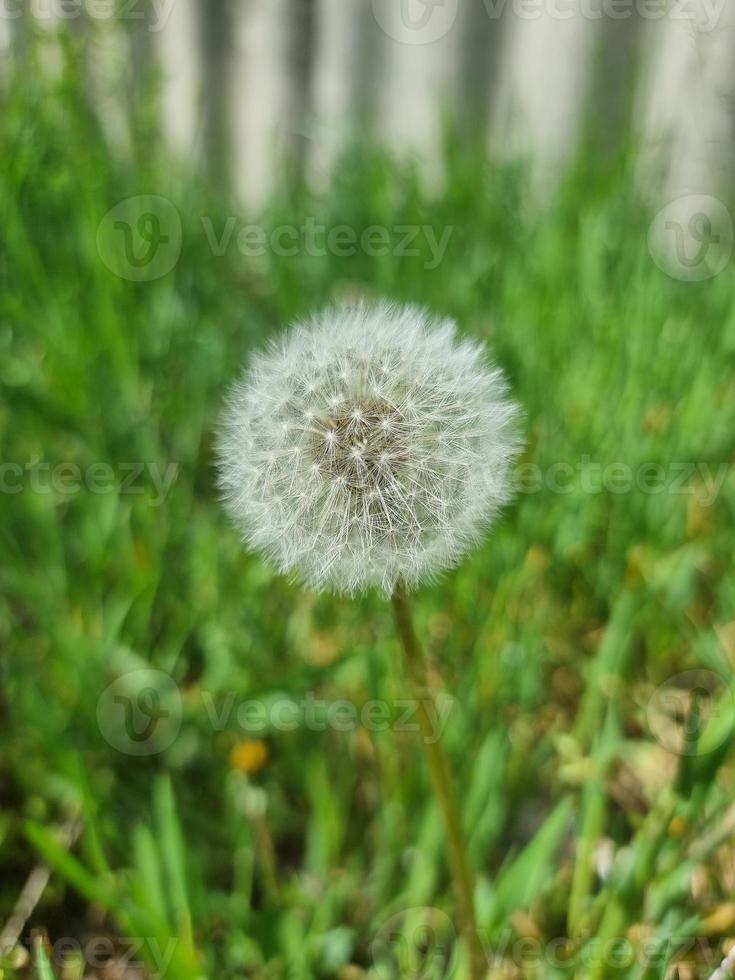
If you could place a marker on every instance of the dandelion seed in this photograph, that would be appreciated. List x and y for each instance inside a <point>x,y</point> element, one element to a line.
<point>398,440</point>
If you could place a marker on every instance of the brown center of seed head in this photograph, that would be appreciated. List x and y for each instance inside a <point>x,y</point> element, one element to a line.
<point>362,446</point>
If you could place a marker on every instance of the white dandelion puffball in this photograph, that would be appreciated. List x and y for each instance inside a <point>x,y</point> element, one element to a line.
<point>368,446</point>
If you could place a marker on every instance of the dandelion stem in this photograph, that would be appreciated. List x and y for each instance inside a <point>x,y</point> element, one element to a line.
<point>442,782</point>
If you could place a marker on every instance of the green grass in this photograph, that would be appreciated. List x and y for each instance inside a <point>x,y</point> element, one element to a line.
<point>553,636</point>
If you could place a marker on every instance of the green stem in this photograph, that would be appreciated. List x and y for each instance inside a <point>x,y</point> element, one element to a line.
<point>442,782</point>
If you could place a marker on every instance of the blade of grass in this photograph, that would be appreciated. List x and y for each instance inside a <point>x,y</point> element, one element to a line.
<point>41,961</point>
<point>91,886</point>
<point>173,855</point>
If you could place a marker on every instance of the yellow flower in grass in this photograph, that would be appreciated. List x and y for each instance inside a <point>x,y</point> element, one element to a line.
<point>249,756</point>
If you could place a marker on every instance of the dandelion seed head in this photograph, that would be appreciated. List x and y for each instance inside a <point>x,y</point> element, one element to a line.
<point>369,445</point>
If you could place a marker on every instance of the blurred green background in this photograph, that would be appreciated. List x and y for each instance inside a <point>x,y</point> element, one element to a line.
<point>589,642</point>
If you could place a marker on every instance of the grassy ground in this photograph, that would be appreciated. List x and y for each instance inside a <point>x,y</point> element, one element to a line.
<point>596,784</point>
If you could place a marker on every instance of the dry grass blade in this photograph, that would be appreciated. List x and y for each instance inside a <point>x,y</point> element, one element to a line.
<point>32,891</point>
